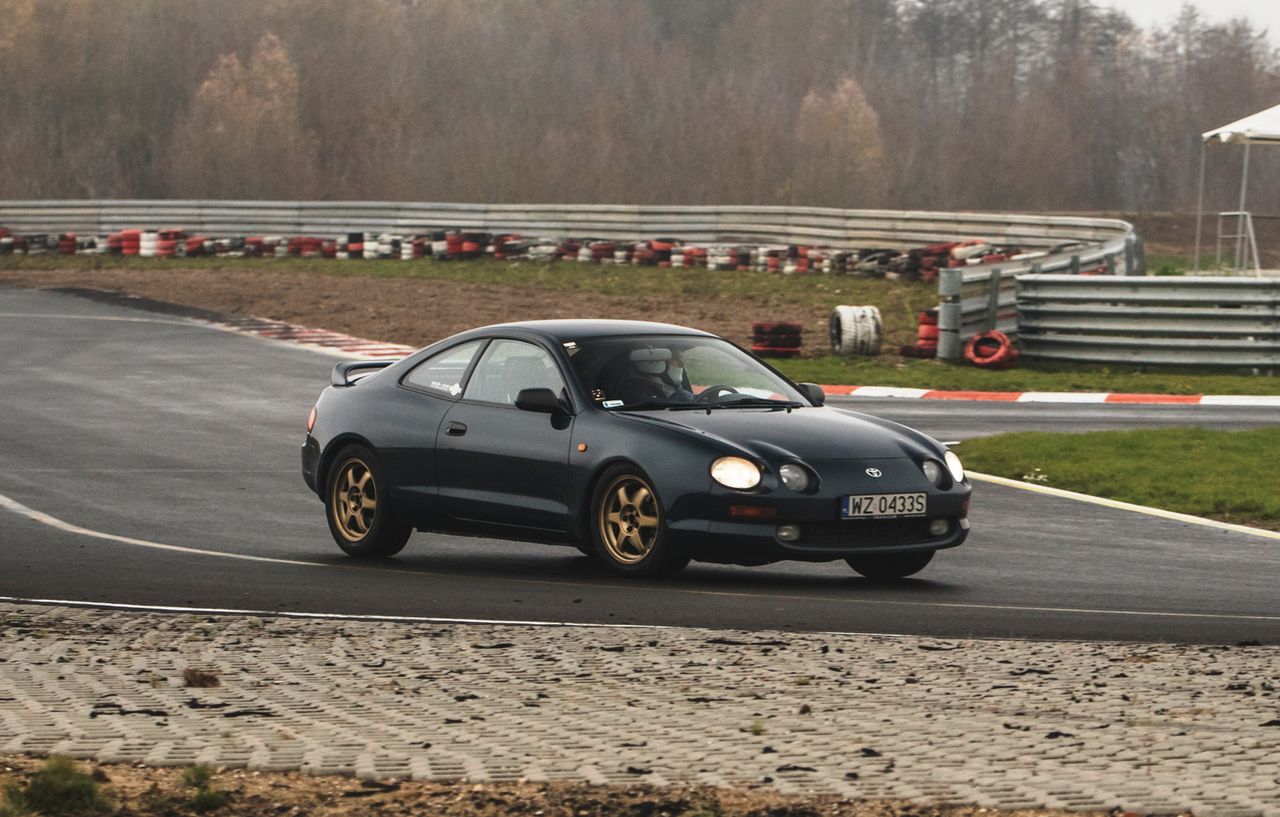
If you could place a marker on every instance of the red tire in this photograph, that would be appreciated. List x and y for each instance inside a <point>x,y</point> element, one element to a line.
<point>991,350</point>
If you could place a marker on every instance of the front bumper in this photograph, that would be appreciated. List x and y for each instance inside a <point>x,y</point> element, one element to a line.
<point>707,528</point>
<point>737,542</point>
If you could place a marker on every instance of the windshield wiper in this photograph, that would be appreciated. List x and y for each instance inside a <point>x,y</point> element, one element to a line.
<point>646,405</point>
<point>752,402</point>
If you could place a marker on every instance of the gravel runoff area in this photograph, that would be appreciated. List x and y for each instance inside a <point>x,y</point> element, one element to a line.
<point>999,724</point>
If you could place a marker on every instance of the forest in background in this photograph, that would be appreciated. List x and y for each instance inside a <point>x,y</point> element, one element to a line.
<point>932,104</point>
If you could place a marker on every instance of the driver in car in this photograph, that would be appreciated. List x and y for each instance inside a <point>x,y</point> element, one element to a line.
<point>656,374</point>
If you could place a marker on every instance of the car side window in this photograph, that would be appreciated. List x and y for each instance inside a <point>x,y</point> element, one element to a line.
<point>507,367</point>
<point>442,374</point>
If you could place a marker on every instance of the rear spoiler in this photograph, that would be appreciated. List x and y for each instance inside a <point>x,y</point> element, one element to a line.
<point>342,372</point>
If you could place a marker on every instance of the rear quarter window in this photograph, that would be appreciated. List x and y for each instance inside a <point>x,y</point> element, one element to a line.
<point>442,374</point>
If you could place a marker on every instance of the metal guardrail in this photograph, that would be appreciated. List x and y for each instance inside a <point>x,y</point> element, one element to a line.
<point>1186,320</point>
<point>844,229</point>
<point>974,299</point>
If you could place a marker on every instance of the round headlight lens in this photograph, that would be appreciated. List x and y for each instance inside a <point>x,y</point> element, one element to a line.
<point>735,472</point>
<point>954,466</point>
<point>794,477</point>
<point>932,472</point>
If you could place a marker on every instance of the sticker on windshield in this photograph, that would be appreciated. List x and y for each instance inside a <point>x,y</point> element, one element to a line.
<point>612,403</point>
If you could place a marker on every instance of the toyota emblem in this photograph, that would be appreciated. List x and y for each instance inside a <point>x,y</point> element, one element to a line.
<point>873,472</point>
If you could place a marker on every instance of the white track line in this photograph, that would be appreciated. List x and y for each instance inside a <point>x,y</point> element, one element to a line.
<point>1125,506</point>
<point>39,516</point>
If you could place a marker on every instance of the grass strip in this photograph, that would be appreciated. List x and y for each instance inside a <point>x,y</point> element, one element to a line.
<point>1226,475</point>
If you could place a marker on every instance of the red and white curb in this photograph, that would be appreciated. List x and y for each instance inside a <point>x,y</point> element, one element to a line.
<point>320,340</point>
<point>349,346</point>
<point>1058,396</point>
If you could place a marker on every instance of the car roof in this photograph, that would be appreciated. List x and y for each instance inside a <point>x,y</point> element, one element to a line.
<point>563,330</point>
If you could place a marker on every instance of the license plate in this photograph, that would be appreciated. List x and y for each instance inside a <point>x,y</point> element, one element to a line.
<point>868,505</point>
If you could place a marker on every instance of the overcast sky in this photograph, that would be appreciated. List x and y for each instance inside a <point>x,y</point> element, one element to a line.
<point>1263,13</point>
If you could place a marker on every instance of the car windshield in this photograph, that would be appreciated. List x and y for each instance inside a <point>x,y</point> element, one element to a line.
<point>660,372</point>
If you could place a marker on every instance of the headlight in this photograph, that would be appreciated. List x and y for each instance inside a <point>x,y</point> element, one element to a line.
<point>954,466</point>
<point>735,472</point>
<point>794,477</point>
<point>932,472</point>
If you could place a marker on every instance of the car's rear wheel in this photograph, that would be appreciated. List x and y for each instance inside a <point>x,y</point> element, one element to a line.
<point>628,527</point>
<point>361,518</point>
<point>893,566</point>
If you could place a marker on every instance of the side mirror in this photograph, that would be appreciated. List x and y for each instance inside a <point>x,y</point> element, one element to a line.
<point>540,400</point>
<point>814,392</point>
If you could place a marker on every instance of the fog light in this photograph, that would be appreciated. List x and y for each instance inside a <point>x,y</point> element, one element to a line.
<point>938,527</point>
<point>788,533</point>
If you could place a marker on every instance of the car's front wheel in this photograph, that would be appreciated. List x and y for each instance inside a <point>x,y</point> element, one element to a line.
<point>628,527</point>
<point>892,566</point>
<point>361,518</point>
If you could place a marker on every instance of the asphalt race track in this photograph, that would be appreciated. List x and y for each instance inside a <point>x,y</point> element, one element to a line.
<point>181,442</point>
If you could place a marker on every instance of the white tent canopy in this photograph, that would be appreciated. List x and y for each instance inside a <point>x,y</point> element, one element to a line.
<point>1263,126</point>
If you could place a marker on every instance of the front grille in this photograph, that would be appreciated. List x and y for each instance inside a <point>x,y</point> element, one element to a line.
<point>856,533</point>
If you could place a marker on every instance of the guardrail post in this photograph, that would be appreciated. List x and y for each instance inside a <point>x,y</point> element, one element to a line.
<point>993,300</point>
<point>1140,250</point>
<point>1075,265</point>
<point>950,281</point>
<point>1111,265</point>
<point>1130,256</point>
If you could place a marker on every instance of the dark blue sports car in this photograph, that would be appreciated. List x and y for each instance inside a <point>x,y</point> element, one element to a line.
<point>645,445</point>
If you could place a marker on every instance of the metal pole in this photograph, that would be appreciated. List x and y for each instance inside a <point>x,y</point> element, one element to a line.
<point>1200,206</point>
<point>1244,189</point>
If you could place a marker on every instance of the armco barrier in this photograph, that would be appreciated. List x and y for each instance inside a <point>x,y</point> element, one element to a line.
<point>845,229</point>
<point>1189,321</point>
<point>974,299</point>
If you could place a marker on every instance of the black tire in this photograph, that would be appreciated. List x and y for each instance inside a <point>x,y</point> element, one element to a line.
<point>628,526</point>
<point>891,566</point>
<point>358,507</point>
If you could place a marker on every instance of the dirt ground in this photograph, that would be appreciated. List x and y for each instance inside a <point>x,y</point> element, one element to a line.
<point>136,791</point>
<point>411,311</point>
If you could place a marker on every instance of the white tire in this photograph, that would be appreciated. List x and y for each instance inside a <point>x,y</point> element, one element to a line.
<point>856,330</point>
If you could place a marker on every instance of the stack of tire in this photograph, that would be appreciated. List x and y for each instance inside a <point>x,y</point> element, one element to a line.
<point>992,349</point>
<point>199,245</point>
<point>776,339</point>
<point>856,330</point>
<point>926,344</point>
<point>67,244</point>
<point>169,241</point>
<point>130,242</point>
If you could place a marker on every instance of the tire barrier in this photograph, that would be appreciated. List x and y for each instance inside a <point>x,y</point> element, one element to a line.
<point>991,350</point>
<point>776,339</point>
<point>856,330</point>
<point>926,344</point>
<point>462,245</point>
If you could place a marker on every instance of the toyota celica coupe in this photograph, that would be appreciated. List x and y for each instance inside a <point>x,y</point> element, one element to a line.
<point>644,445</point>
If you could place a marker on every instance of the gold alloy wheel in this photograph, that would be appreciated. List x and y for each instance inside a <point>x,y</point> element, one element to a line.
<point>628,520</point>
<point>354,501</point>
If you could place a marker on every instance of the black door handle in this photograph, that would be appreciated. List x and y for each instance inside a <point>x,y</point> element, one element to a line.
<point>455,429</point>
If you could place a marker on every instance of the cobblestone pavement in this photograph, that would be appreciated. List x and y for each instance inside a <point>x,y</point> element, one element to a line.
<point>1009,724</point>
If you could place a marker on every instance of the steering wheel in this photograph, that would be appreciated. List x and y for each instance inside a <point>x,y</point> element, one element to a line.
<point>712,392</point>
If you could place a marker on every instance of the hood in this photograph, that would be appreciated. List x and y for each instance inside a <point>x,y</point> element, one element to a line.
<point>806,434</point>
